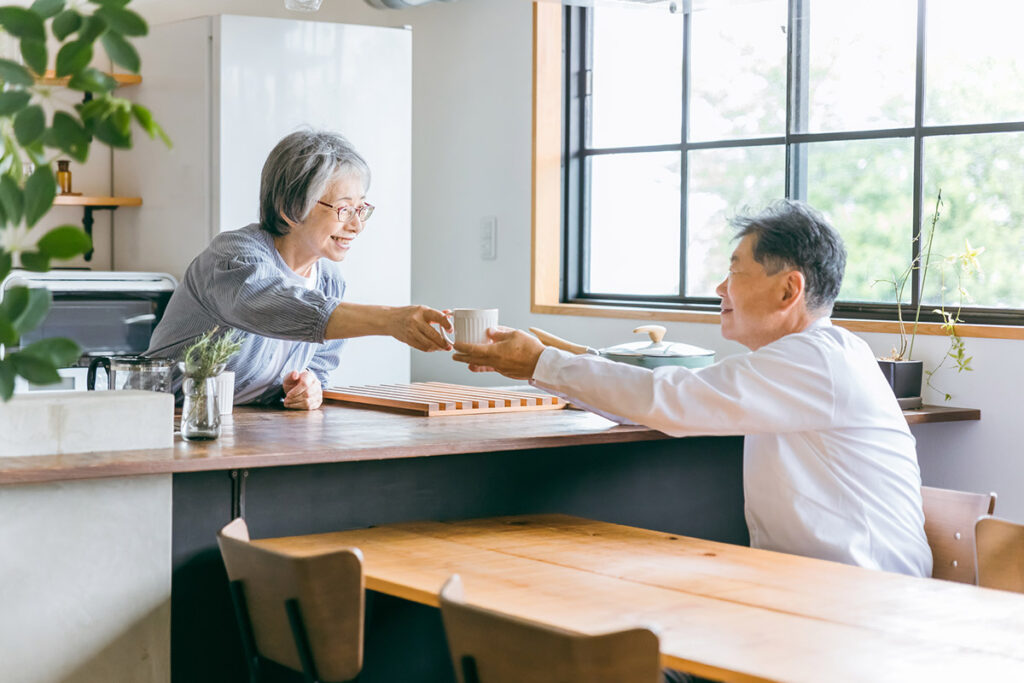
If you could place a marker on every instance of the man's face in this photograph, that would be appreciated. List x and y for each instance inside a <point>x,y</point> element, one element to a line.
<point>750,298</point>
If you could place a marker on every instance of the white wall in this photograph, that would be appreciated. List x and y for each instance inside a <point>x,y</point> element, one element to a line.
<point>472,66</point>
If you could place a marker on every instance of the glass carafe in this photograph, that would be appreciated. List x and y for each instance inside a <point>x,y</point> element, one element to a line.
<point>132,372</point>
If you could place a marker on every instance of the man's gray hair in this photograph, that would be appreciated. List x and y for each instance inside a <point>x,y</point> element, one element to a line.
<point>297,172</point>
<point>791,234</point>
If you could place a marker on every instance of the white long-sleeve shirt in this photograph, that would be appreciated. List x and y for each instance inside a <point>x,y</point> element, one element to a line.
<point>829,465</point>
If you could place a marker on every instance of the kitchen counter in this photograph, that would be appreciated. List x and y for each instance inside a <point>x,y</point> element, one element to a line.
<point>153,515</point>
<point>266,437</point>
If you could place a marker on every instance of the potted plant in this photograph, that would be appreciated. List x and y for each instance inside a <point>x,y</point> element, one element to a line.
<point>903,372</point>
<point>31,144</point>
<point>204,361</point>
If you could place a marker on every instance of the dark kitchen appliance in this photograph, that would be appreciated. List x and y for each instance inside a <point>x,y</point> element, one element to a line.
<point>105,312</point>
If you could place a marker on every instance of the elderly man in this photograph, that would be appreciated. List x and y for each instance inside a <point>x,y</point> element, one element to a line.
<point>829,466</point>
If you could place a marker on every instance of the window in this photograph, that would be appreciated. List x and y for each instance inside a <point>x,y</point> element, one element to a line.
<point>674,122</point>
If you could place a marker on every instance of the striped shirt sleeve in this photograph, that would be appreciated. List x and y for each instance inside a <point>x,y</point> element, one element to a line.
<point>250,294</point>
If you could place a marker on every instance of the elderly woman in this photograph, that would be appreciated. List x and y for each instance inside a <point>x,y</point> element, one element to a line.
<point>278,281</point>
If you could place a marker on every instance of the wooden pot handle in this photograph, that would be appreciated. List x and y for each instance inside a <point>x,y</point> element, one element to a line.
<point>551,340</point>
<point>656,332</point>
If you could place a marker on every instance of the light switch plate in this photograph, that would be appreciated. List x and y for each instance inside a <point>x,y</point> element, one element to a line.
<point>489,238</point>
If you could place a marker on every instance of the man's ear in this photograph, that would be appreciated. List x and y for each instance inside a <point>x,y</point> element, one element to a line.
<point>793,287</point>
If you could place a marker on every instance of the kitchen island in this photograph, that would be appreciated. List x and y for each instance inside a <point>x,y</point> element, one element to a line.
<point>135,530</point>
<point>340,468</point>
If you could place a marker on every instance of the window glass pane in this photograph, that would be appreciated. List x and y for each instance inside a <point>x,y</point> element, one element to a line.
<point>982,182</point>
<point>637,76</point>
<point>865,189</point>
<point>723,183</point>
<point>738,71</point>
<point>862,57</point>
<point>975,62</point>
<point>634,223</point>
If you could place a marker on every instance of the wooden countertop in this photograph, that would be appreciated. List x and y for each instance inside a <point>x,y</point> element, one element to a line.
<point>927,414</point>
<point>266,437</point>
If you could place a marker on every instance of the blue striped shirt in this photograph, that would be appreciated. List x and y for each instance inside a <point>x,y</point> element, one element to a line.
<point>240,281</point>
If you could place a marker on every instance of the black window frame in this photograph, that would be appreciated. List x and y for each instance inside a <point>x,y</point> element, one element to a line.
<point>576,120</point>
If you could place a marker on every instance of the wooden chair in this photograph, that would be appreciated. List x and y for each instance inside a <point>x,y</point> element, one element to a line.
<point>304,613</point>
<point>489,647</point>
<point>949,518</point>
<point>1000,546</point>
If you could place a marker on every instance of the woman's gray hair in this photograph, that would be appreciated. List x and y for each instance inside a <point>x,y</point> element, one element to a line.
<point>297,172</point>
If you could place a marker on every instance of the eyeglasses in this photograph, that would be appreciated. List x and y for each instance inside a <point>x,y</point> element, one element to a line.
<point>345,213</point>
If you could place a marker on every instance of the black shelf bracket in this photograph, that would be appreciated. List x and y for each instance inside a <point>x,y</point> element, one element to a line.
<point>87,222</point>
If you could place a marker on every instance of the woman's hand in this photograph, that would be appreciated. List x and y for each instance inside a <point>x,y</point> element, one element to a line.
<point>414,325</point>
<point>513,353</point>
<point>302,391</point>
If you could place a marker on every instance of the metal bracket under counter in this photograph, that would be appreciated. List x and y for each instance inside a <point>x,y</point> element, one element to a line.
<point>238,479</point>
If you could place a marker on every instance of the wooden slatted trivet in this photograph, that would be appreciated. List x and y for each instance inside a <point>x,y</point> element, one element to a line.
<point>437,398</point>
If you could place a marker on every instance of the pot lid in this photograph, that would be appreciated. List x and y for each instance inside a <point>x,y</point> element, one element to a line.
<point>655,347</point>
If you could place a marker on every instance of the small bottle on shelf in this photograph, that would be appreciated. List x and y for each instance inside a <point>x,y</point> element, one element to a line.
<point>64,176</point>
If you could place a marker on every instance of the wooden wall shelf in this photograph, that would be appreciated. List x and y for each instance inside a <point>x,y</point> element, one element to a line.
<point>940,414</point>
<point>96,202</point>
<point>91,204</point>
<point>123,80</point>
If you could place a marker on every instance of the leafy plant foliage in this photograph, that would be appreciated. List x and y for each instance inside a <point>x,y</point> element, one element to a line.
<point>208,354</point>
<point>26,137</point>
<point>963,266</point>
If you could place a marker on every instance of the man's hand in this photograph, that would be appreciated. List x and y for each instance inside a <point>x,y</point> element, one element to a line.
<point>302,391</point>
<point>513,353</point>
<point>414,325</point>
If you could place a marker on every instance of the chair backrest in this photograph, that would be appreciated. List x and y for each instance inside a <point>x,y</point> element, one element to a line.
<point>949,518</point>
<point>489,647</point>
<point>1000,554</point>
<point>328,589</point>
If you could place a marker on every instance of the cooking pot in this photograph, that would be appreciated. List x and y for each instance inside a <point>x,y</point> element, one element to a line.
<point>646,354</point>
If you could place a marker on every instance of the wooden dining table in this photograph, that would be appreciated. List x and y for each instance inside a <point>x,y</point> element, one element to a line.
<point>721,611</point>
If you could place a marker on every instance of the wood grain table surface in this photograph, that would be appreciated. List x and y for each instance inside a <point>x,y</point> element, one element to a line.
<point>723,611</point>
<point>268,437</point>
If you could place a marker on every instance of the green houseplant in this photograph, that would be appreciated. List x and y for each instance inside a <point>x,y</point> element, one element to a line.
<point>204,360</point>
<point>904,373</point>
<point>30,139</point>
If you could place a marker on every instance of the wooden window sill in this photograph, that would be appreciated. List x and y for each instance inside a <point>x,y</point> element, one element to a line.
<point>665,315</point>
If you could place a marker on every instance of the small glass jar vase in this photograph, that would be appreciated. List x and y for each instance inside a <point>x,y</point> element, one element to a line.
<point>200,414</point>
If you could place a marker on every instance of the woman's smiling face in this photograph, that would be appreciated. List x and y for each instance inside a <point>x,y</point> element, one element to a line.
<point>321,235</point>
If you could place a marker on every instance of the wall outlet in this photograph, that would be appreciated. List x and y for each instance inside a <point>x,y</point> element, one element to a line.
<point>489,238</point>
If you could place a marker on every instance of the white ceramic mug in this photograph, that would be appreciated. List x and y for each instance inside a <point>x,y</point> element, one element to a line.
<point>471,324</point>
<point>225,391</point>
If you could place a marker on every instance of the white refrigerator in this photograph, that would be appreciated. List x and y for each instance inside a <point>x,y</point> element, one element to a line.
<point>226,89</point>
